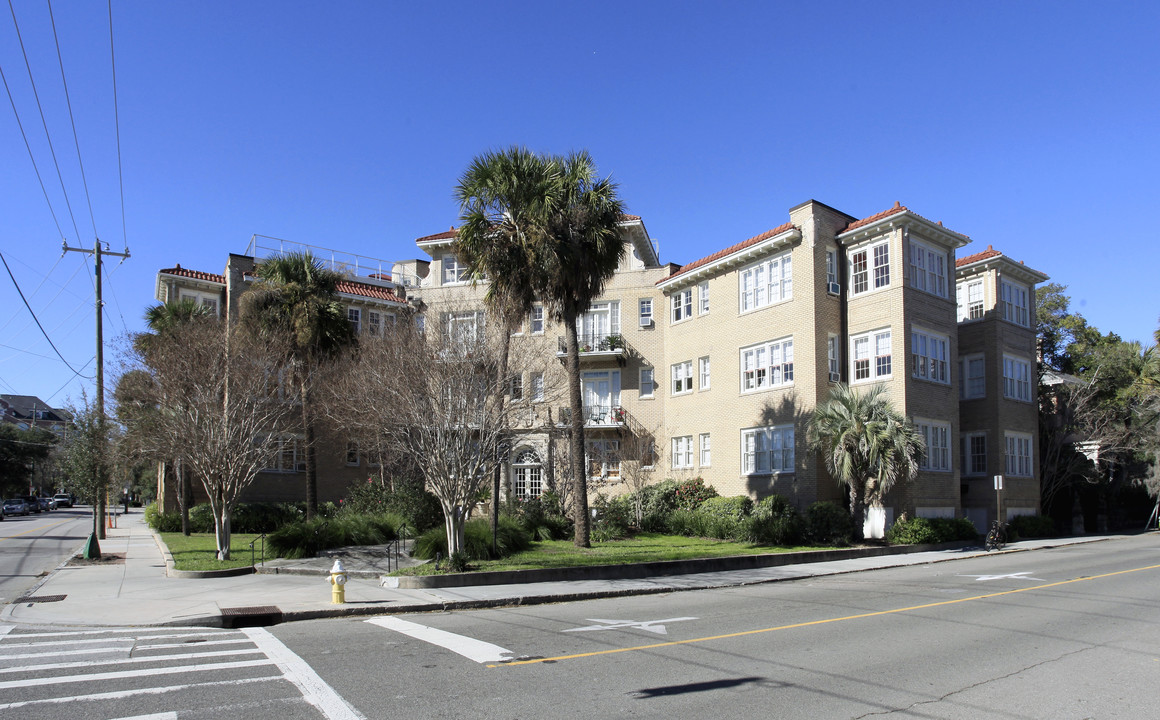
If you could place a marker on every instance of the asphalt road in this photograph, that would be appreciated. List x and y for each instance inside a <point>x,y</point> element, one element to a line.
<point>32,545</point>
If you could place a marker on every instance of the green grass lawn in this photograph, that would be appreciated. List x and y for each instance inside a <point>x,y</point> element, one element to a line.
<point>199,551</point>
<point>643,547</point>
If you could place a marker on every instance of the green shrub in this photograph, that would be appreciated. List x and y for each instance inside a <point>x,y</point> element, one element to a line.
<point>917,531</point>
<point>828,524</point>
<point>775,522</point>
<point>510,538</point>
<point>691,493</point>
<point>1032,526</point>
<point>657,501</point>
<point>201,518</point>
<point>305,538</point>
<point>614,518</point>
<point>162,522</point>
<point>736,508</point>
<point>693,523</point>
<point>772,505</point>
<point>951,529</point>
<point>542,518</point>
<point>264,517</point>
<point>410,500</point>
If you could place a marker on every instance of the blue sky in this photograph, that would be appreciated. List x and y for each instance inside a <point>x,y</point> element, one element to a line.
<point>1031,126</point>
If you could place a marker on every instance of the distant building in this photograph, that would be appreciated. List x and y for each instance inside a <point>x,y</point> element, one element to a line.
<point>28,412</point>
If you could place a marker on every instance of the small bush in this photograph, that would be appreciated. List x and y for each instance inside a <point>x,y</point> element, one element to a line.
<point>772,505</point>
<point>305,538</point>
<point>542,519</point>
<point>1032,526</point>
<point>775,522</point>
<point>693,523</point>
<point>162,522</point>
<point>418,508</point>
<point>917,531</point>
<point>614,518</point>
<point>692,493</point>
<point>510,538</point>
<point>828,524</point>
<point>736,508</point>
<point>657,501</point>
<point>951,529</point>
<point>264,517</point>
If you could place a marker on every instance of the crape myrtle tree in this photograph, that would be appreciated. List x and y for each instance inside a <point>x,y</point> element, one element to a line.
<point>867,445</point>
<point>87,456</point>
<point>295,302</point>
<point>554,225</point>
<point>432,393</point>
<point>220,408</point>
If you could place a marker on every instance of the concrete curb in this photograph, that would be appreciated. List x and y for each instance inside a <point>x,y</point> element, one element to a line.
<point>171,566</point>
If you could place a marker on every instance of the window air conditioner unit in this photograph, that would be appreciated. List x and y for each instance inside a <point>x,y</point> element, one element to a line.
<point>835,377</point>
<point>646,322</point>
<point>834,288</point>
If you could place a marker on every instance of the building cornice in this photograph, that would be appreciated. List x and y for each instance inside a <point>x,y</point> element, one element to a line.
<point>730,258</point>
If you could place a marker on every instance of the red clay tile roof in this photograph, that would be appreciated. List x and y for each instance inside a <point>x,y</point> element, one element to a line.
<point>990,252</point>
<point>452,233</point>
<point>896,210</point>
<point>368,291</point>
<point>728,251</point>
<point>195,274</point>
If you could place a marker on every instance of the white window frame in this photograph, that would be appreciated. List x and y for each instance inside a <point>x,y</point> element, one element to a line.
<point>928,354</point>
<point>454,273</point>
<point>973,386</point>
<point>767,365</point>
<point>682,378</point>
<point>757,286</point>
<point>703,372</point>
<point>209,300</point>
<point>645,306</point>
<point>833,357</point>
<point>527,475</point>
<point>648,385</point>
<point>937,436</point>
<point>878,366</point>
<point>971,299</point>
<point>928,269</point>
<point>610,449</point>
<point>974,463</point>
<point>1013,300</point>
<point>682,305</point>
<point>705,448</point>
<point>1019,454</point>
<point>767,450</point>
<point>682,452</point>
<point>870,268</point>
<point>536,319</point>
<point>354,317</point>
<point>516,387</point>
<point>831,268</point>
<point>287,454</point>
<point>703,298</point>
<point>1016,378</point>
<point>463,327</point>
<point>538,387</point>
<point>374,323</point>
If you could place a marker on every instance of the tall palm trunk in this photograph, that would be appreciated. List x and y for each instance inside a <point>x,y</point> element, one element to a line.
<point>579,471</point>
<point>311,468</point>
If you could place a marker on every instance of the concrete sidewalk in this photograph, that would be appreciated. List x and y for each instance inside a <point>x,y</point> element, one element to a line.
<point>138,592</point>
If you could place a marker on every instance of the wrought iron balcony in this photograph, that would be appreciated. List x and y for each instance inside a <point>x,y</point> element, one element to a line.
<point>597,416</point>
<point>595,346</point>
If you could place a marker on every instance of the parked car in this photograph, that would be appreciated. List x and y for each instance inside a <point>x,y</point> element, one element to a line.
<point>32,502</point>
<point>63,500</point>
<point>49,502</point>
<point>15,506</point>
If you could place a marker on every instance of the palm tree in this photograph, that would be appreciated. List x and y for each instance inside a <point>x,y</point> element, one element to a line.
<point>295,297</point>
<point>867,445</point>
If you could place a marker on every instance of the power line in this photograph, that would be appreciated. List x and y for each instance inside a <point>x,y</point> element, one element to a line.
<point>43,121</point>
<point>30,156</point>
<point>117,126</point>
<point>46,337</point>
<point>69,381</point>
<point>68,102</point>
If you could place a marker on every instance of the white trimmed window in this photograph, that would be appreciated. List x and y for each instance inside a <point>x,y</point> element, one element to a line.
<point>831,268</point>
<point>1013,300</point>
<point>928,269</point>
<point>453,271</point>
<point>683,377</point>
<point>536,320</point>
<point>603,458</point>
<point>463,329</point>
<point>527,475</point>
<point>354,316</point>
<point>287,455</point>
<point>703,298</point>
<point>1018,455</point>
<point>647,382</point>
<point>646,312</point>
<point>374,323</point>
<point>706,454</point>
<point>766,450</point>
<point>974,453</point>
<point>703,371</point>
<point>768,282</point>
<point>682,305</point>
<point>938,450</point>
<point>970,299</point>
<point>835,362</point>
<point>767,365</point>
<point>972,377</point>
<point>870,356</point>
<point>538,387</point>
<point>682,452</point>
<point>209,301</point>
<point>516,387</point>
<point>870,268</point>
<point>1016,378</point>
<point>928,353</point>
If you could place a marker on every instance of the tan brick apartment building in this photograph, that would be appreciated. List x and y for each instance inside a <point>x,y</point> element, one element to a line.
<point>723,359</point>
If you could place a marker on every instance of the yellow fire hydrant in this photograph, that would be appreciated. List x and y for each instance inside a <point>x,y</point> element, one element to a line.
<point>338,580</point>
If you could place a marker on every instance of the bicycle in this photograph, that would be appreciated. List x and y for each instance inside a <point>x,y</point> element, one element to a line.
<point>996,536</point>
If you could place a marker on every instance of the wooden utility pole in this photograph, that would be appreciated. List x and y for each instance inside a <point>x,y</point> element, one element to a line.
<point>97,252</point>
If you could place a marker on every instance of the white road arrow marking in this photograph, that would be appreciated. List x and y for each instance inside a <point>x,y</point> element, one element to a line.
<point>470,648</point>
<point>1008,576</point>
<point>652,626</point>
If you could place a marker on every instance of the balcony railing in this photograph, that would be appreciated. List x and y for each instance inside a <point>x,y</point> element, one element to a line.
<point>609,345</point>
<point>597,416</point>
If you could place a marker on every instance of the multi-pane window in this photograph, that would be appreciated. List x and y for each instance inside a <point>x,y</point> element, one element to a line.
<point>766,450</point>
<point>767,365</point>
<point>354,317</point>
<point>682,452</point>
<point>453,270</point>
<point>938,450</point>
<point>374,323</point>
<point>683,377</point>
<point>682,304</point>
<point>703,371</point>
<point>538,387</point>
<point>208,301</point>
<point>285,455</point>
<point>703,298</point>
<point>352,454</point>
<point>601,321</point>
<point>1018,455</point>
<point>603,458</point>
<point>706,455</point>
<point>835,362</point>
<point>974,453</point>
<point>516,387</point>
<point>870,355</point>
<point>972,379</point>
<point>527,475</point>
<point>831,268</point>
<point>970,300</point>
<point>462,329</point>
<point>536,321</point>
<point>928,269</point>
<point>766,283</point>
<point>1016,378</point>
<point>647,383</point>
<point>929,357</point>
<point>870,268</point>
<point>646,312</point>
<point>1013,300</point>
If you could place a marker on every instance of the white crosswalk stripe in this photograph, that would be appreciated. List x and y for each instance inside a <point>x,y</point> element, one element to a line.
<point>108,671</point>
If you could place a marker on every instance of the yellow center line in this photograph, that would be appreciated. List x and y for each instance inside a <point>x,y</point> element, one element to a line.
<point>36,529</point>
<point>819,622</point>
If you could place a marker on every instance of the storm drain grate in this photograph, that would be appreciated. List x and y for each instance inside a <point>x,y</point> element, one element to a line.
<point>257,616</point>
<point>41,598</point>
